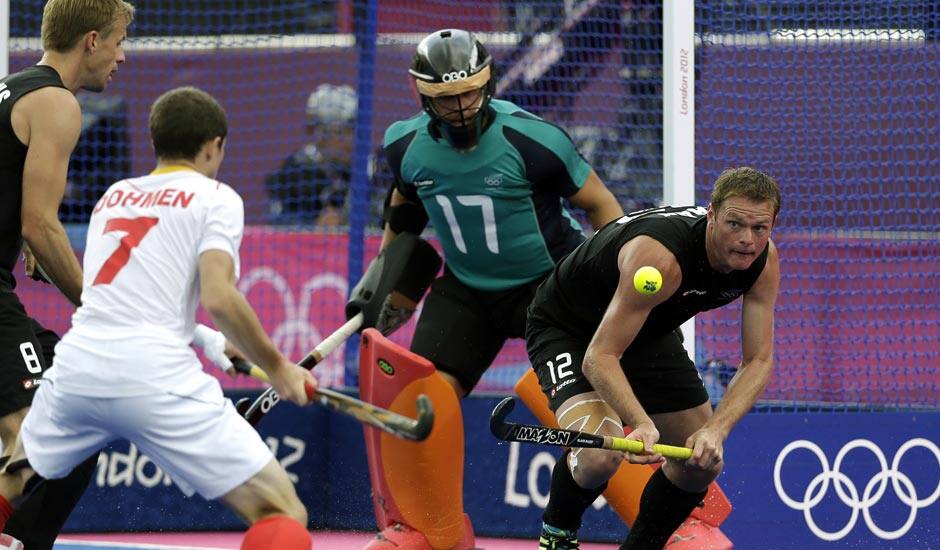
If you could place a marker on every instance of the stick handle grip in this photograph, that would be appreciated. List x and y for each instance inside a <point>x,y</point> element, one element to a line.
<point>633,446</point>
<point>332,342</point>
<point>255,371</point>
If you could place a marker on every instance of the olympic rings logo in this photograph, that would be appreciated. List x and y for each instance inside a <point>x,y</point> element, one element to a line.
<point>296,335</point>
<point>847,491</point>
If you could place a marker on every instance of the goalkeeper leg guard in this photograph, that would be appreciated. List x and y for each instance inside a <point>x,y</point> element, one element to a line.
<point>276,533</point>
<point>416,485</point>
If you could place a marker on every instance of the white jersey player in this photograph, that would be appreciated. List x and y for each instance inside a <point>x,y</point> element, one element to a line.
<point>140,289</point>
<point>156,245</point>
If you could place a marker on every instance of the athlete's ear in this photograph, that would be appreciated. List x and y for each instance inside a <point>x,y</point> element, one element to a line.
<point>213,147</point>
<point>90,41</point>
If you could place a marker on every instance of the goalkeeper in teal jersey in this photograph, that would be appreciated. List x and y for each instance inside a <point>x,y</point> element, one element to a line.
<point>493,180</point>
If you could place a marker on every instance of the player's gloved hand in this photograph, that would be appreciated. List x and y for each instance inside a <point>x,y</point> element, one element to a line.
<point>649,435</point>
<point>216,348</point>
<point>33,270</point>
<point>291,382</point>
<point>392,317</point>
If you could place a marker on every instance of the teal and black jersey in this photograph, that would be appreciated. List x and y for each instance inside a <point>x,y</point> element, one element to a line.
<point>497,208</point>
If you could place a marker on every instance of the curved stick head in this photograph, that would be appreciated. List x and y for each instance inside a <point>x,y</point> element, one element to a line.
<point>498,425</point>
<point>425,420</point>
<point>241,406</point>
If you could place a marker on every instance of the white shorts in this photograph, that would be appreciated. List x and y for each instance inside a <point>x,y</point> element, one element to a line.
<point>199,440</point>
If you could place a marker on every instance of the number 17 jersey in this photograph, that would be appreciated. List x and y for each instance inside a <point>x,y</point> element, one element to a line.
<point>497,208</point>
<point>131,334</point>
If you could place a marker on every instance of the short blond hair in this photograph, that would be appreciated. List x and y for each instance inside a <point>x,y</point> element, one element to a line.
<point>64,22</point>
<point>747,183</point>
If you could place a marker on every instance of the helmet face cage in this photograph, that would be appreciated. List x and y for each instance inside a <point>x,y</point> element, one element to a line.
<point>449,63</point>
<point>456,111</point>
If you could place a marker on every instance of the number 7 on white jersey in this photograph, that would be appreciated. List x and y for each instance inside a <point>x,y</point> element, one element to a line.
<point>136,229</point>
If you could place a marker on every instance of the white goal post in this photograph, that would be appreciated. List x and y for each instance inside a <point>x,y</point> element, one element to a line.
<point>679,115</point>
<point>4,37</point>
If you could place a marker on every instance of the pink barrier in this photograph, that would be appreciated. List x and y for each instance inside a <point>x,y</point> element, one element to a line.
<point>858,320</point>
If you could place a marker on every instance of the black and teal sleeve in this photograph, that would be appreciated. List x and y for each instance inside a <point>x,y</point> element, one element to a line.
<point>552,162</point>
<point>394,154</point>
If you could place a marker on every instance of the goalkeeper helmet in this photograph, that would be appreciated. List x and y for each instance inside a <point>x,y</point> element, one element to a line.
<point>454,76</point>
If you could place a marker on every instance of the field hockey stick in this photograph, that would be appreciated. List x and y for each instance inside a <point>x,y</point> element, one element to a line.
<point>254,411</point>
<point>414,429</point>
<point>543,435</point>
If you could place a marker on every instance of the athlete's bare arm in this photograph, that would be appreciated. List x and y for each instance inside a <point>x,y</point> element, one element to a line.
<point>757,342</point>
<point>597,201</point>
<point>623,319</point>
<point>48,121</point>
<point>232,313</point>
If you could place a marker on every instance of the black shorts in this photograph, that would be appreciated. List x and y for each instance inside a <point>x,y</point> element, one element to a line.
<point>660,372</point>
<point>462,329</point>
<point>26,351</point>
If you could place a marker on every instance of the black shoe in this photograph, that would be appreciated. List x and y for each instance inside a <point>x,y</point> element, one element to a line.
<point>553,538</point>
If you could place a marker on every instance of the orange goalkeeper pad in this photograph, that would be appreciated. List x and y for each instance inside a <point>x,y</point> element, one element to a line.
<point>419,484</point>
<point>625,488</point>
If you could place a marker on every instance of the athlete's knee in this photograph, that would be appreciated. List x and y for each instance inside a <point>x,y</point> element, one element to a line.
<point>18,477</point>
<point>691,479</point>
<point>10,427</point>
<point>593,467</point>
<point>588,413</point>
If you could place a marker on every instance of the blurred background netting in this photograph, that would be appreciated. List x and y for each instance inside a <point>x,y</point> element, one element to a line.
<point>838,100</point>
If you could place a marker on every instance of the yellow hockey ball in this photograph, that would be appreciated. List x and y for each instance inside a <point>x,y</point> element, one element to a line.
<point>647,280</point>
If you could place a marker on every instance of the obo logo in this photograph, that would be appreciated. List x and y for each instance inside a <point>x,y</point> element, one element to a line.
<point>848,492</point>
<point>454,76</point>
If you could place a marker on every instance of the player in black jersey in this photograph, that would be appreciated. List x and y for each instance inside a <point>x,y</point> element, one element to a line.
<point>607,355</point>
<point>40,122</point>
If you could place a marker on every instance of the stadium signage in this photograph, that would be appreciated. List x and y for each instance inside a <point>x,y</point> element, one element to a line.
<point>858,498</point>
<point>844,480</point>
